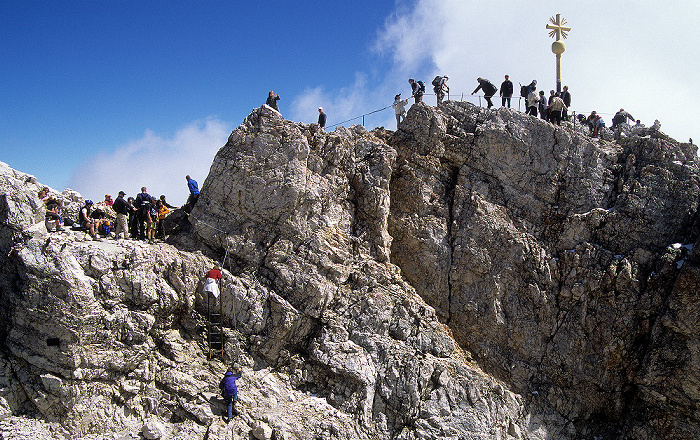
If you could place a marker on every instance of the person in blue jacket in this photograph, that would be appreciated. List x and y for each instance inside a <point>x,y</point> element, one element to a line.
<point>229,390</point>
<point>194,194</point>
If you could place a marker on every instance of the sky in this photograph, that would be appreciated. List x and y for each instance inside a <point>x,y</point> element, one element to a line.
<point>103,96</point>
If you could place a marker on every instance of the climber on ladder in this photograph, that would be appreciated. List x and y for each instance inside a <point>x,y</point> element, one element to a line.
<point>215,337</point>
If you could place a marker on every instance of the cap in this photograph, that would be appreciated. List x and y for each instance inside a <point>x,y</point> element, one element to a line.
<point>122,193</point>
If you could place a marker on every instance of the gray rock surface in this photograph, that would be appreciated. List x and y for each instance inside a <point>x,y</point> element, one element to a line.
<point>476,274</point>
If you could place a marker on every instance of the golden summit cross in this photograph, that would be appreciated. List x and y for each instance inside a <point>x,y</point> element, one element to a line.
<point>558,30</point>
<point>558,27</point>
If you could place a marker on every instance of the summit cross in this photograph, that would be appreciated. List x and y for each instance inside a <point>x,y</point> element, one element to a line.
<point>558,27</point>
<point>558,30</point>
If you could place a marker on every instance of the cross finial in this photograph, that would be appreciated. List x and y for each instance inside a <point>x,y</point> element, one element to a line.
<point>558,30</point>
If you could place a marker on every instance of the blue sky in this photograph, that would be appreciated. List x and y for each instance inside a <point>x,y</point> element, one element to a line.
<point>101,96</point>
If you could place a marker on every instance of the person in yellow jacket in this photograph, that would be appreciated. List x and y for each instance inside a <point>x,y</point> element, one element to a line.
<point>162,212</point>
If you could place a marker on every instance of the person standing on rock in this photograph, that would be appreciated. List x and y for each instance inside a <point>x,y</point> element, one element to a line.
<point>399,109</point>
<point>417,89</point>
<point>142,202</point>
<point>440,87</point>
<point>229,390</point>
<point>488,88</point>
<point>272,99</point>
<point>506,92</point>
<point>532,101</point>
<point>566,97</point>
<point>194,194</point>
<point>122,208</point>
<point>556,108</point>
<point>621,118</point>
<point>321,118</point>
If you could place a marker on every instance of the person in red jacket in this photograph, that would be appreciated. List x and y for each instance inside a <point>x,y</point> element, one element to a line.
<point>211,283</point>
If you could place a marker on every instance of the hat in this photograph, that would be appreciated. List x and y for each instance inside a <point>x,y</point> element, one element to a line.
<point>88,202</point>
<point>122,193</point>
<point>107,196</point>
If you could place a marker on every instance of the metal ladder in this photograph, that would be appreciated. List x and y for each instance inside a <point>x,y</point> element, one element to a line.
<point>215,328</point>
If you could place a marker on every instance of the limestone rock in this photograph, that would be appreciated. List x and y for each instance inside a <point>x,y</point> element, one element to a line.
<point>476,274</point>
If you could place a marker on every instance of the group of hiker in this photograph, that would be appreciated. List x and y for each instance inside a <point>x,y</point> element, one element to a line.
<point>553,109</point>
<point>140,217</point>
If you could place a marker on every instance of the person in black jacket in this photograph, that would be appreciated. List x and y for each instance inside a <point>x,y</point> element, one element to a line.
<point>272,99</point>
<point>566,97</point>
<point>122,208</point>
<point>488,88</point>
<point>321,118</point>
<point>506,92</point>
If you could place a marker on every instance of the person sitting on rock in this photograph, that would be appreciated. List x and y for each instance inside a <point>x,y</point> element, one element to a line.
<point>229,390</point>
<point>86,221</point>
<point>52,215</point>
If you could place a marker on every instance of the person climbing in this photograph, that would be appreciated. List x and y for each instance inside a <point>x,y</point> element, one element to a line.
<point>621,118</point>
<point>488,88</point>
<point>272,99</point>
<point>211,281</point>
<point>194,194</point>
<point>229,390</point>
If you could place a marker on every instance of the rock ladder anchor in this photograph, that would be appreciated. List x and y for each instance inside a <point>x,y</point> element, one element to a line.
<point>215,330</point>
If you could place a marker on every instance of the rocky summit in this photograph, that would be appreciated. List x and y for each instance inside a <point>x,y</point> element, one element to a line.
<point>476,274</point>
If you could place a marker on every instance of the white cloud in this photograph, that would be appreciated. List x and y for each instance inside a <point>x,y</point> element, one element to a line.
<point>156,162</point>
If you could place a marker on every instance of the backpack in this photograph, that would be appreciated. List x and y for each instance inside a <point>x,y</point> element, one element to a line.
<point>105,228</point>
<point>523,90</point>
<point>421,86</point>
<point>437,81</point>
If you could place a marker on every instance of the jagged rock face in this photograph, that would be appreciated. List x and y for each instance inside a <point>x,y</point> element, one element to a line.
<point>545,251</point>
<point>477,274</point>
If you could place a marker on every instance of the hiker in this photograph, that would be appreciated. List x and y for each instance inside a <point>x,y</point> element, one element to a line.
<point>108,200</point>
<point>162,211</point>
<point>212,278</point>
<point>398,109</point>
<point>153,216</point>
<point>440,88</point>
<point>133,219</point>
<point>542,104</point>
<point>595,123</point>
<point>532,101</point>
<point>321,118</point>
<point>86,221</point>
<point>549,102</point>
<point>556,107</point>
<point>52,215</point>
<point>621,118</point>
<point>122,208</point>
<point>566,97</point>
<point>525,93</point>
<point>488,88</point>
<point>229,390</point>
<point>167,205</point>
<point>272,99</point>
<point>417,89</point>
<point>506,92</point>
<point>142,202</point>
<point>194,193</point>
